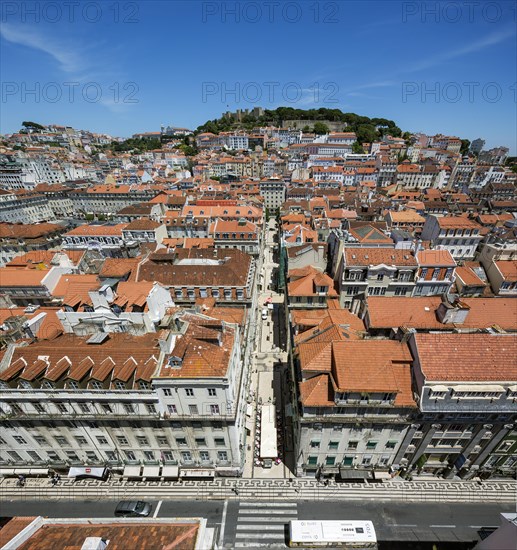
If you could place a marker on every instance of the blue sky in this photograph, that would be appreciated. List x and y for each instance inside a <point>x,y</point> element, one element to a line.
<point>128,67</point>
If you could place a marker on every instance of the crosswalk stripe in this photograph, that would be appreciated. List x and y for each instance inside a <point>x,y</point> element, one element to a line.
<point>261,527</point>
<point>276,512</point>
<point>268,519</point>
<point>267,504</point>
<point>259,536</point>
<point>258,545</point>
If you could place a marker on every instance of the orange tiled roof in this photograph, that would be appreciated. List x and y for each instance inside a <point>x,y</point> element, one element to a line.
<point>420,313</point>
<point>19,277</point>
<point>317,391</point>
<point>467,357</point>
<point>377,256</point>
<point>98,230</point>
<point>432,258</point>
<point>508,269</point>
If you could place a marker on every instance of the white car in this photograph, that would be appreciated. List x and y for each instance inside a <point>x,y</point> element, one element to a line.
<point>264,314</point>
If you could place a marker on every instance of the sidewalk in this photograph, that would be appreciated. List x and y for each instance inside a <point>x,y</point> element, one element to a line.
<point>504,492</point>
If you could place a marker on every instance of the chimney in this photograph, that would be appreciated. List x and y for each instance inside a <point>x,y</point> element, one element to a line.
<point>95,543</point>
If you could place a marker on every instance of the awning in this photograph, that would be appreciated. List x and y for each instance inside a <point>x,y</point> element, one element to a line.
<point>171,472</point>
<point>249,409</point>
<point>132,471</point>
<point>249,424</point>
<point>151,471</point>
<point>381,475</point>
<point>352,473</point>
<point>87,471</point>
<point>22,471</point>
<point>6,471</point>
<point>197,472</point>
<point>39,472</point>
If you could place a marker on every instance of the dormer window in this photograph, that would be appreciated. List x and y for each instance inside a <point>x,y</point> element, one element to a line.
<point>174,362</point>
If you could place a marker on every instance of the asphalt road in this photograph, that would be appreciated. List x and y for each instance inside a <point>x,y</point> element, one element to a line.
<point>392,521</point>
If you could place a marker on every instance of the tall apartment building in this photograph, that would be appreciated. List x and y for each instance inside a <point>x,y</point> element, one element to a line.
<point>457,234</point>
<point>175,397</point>
<point>374,272</point>
<point>356,406</point>
<point>466,393</point>
<point>273,190</point>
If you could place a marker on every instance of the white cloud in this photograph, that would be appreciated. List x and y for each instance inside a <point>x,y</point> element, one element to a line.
<point>69,60</point>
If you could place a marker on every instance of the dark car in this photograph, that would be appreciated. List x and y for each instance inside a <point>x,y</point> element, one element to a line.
<point>133,508</point>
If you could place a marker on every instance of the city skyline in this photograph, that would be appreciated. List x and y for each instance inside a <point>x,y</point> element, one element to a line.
<point>446,70</point>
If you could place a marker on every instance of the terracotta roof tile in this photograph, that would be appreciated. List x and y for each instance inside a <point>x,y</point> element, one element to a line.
<point>467,357</point>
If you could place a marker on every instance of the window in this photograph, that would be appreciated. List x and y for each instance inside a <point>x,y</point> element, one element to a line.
<point>34,456</point>
<point>380,276</point>
<point>120,385</point>
<point>162,441</point>
<point>19,439</point>
<point>167,392</point>
<point>72,455</point>
<point>330,460</point>
<point>353,444</point>
<point>315,444</point>
<point>62,407</point>
<point>189,392</point>
<point>172,408</point>
<point>168,456</point>
<point>96,385</point>
<point>204,456</point>
<point>122,440</point>
<point>60,440</point>
<point>391,444</point>
<point>53,456</point>
<point>85,408</point>
<point>333,444</point>
<point>151,408</point>
<point>102,440</point>
<point>219,441</point>
<point>212,392</point>
<point>371,444</point>
<point>214,409</point>
<point>222,456</point>
<point>196,425</point>
<point>111,456</point>
<point>192,409</point>
<point>200,441</point>
<point>186,456</point>
<point>40,440</point>
<point>106,408</point>
<point>181,442</point>
<point>148,455</point>
<point>81,440</point>
<point>129,408</point>
<point>142,440</point>
<point>15,456</point>
<point>367,459</point>
<point>90,455</point>
<point>39,408</point>
<point>130,455</point>
<point>312,461</point>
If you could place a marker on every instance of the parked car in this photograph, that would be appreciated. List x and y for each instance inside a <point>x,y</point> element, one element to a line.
<point>264,314</point>
<point>133,509</point>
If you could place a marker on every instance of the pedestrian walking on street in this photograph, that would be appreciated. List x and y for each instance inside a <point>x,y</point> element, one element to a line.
<point>21,481</point>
